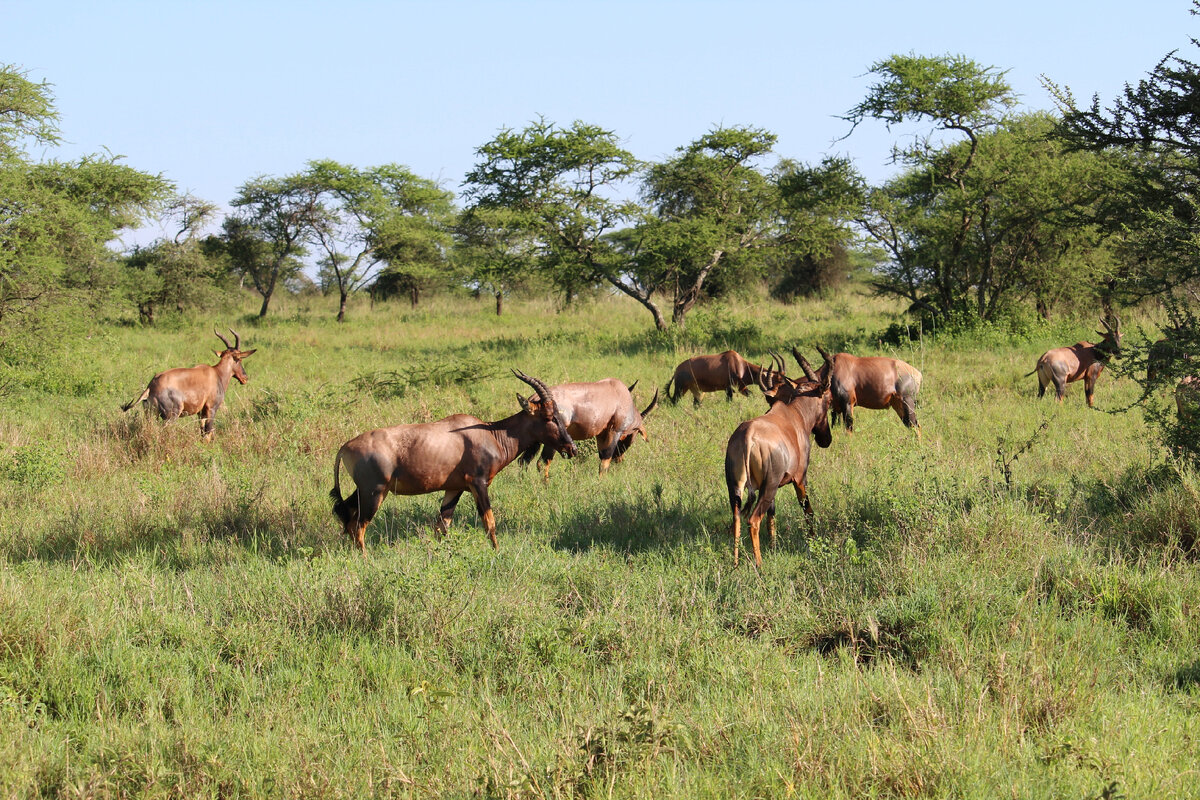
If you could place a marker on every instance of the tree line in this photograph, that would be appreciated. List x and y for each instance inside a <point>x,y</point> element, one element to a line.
<point>993,211</point>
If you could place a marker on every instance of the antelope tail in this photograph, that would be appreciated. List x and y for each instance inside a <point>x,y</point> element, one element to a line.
<point>145,394</point>
<point>737,475</point>
<point>672,394</point>
<point>341,509</point>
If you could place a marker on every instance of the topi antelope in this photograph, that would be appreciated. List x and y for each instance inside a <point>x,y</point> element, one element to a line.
<point>199,390</point>
<point>872,382</point>
<point>722,372</point>
<point>454,455</point>
<point>602,410</point>
<point>773,450</point>
<point>1063,365</point>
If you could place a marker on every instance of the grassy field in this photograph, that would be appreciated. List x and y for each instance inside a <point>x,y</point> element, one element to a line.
<point>1007,607</point>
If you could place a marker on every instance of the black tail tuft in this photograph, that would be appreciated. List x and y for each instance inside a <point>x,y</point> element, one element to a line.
<point>342,509</point>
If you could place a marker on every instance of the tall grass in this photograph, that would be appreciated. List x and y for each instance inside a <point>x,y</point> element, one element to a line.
<point>1007,606</point>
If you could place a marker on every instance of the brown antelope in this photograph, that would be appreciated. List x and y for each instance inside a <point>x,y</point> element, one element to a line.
<point>722,372</point>
<point>199,390</point>
<point>872,382</point>
<point>602,410</point>
<point>457,454</point>
<point>773,450</point>
<point>1063,365</point>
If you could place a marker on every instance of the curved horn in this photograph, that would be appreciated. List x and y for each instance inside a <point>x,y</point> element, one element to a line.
<point>652,405</point>
<point>827,381</point>
<point>225,341</point>
<point>542,390</point>
<point>782,364</point>
<point>630,386</point>
<point>237,340</point>
<point>804,365</point>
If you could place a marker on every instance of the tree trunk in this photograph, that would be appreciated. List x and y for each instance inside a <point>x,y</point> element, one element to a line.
<point>341,317</point>
<point>414,295</point>
<point>499,303</point>
<point>266,296</point>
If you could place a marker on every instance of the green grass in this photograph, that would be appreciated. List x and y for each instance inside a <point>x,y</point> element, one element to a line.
<point>185,620</point>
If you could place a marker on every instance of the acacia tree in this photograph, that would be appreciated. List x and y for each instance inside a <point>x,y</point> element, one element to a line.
<point>57,217</point>
<point>956,96</point>
<point>265,239</point>
<point>708,213</point>
<point>560,183</point>
<point>709,207</point>
<point>1153,212</point>
<point>365,219</point>
<point>176,271</point>
<point>495,250</point>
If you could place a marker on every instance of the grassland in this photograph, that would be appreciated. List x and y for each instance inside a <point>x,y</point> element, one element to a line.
<point>1007,607</point>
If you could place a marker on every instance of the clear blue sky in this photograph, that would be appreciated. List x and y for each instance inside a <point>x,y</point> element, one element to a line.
<point>213,93</point>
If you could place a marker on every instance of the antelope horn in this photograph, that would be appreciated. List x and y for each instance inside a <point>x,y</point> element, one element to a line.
<point>804,365</point>
<point>228,346</point>
<point>652,405</point>
<point>542,390</point>
<point>237,340</point>
<point>763,371</point>
<point>630,387</point>
<point>776,357</point>
<point>828,379</point>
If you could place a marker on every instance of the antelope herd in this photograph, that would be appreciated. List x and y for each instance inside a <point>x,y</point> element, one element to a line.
<point>462,453</point>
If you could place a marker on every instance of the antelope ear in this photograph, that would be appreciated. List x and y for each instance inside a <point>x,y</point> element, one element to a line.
<point>217,353</point>
<point>524,403</point>
<point>247,353</point>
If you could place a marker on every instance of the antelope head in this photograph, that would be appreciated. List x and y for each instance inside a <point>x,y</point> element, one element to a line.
<point>233,351</point>
<point>1111,343</point>
<point>545,409</point>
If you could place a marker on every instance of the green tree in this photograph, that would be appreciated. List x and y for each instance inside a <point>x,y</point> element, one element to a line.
<point>265,238</point>
<point>562,185</point>
<point>708,215</point>
<point>820,205</point>
<point>973,224</point>
<point>710,207</point>
<point>56,217</point>
<point>495,250</point>
<point>365,219</point>
<point>1152,212</point>
<point>177,272</point>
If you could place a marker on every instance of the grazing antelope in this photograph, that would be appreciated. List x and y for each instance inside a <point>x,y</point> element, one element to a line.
<point>1063,365</point>
<point>773,450</point>
<point>602,410</point>
<point>199,390</point>
<point>722,372</point>
<point>872,382</point>
<point>457,454</point>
